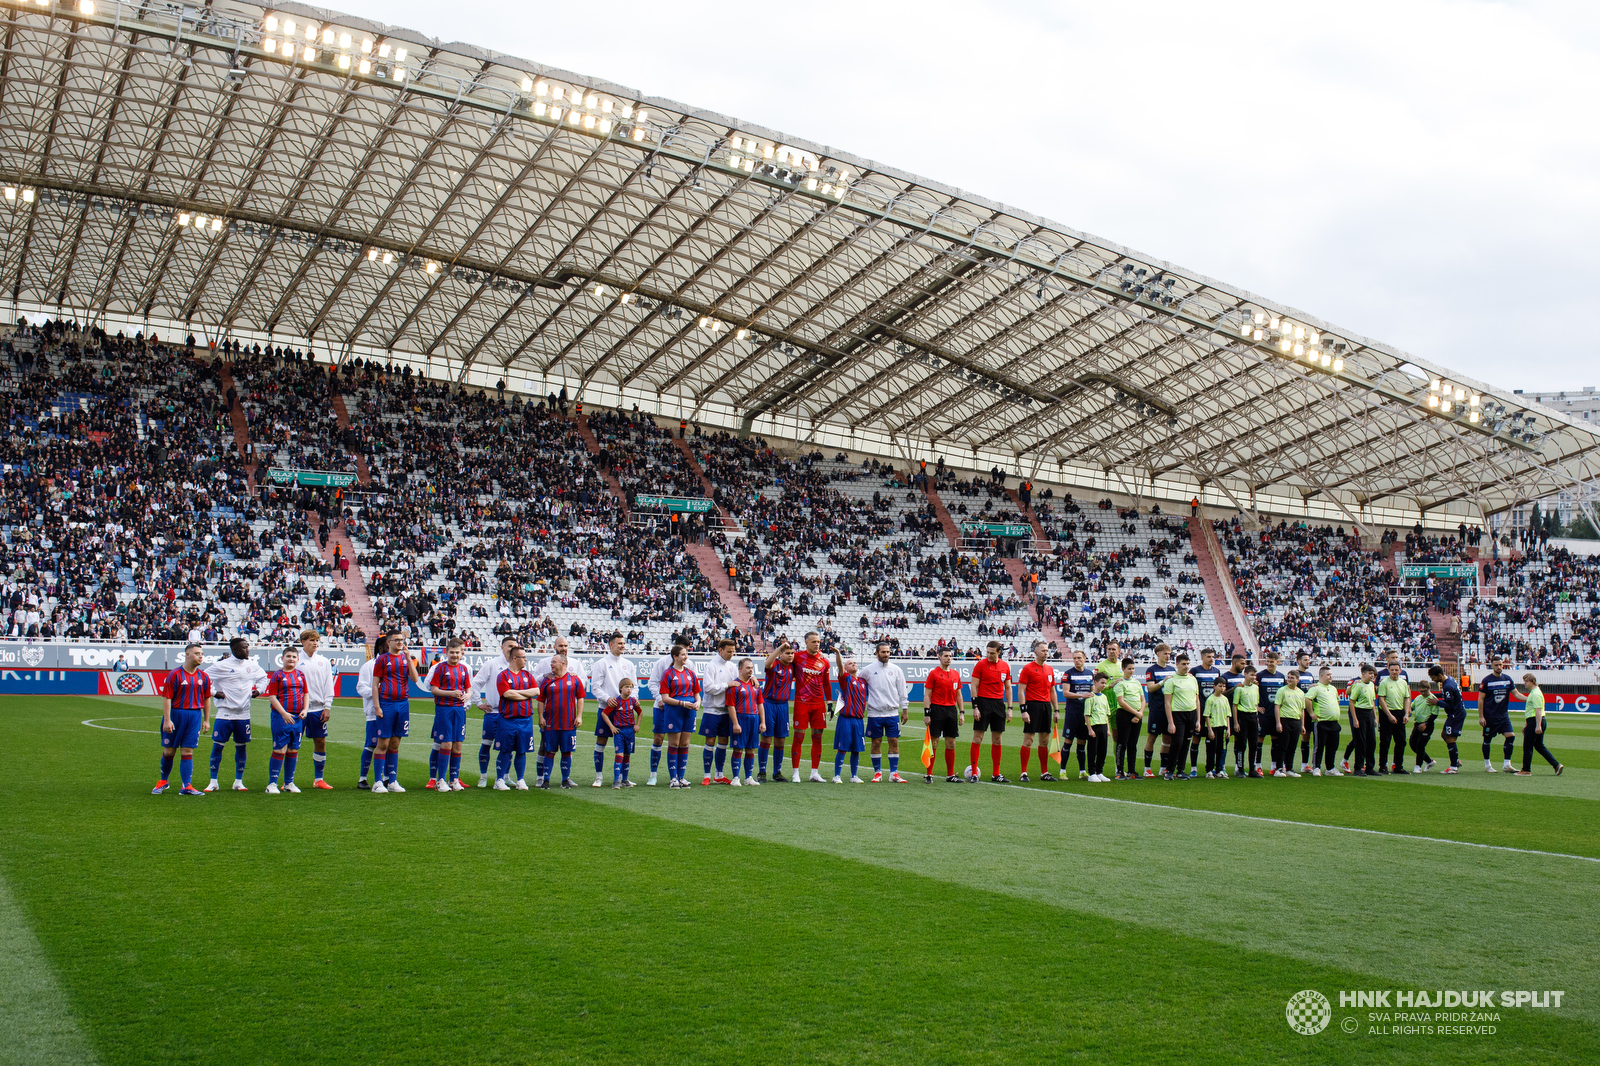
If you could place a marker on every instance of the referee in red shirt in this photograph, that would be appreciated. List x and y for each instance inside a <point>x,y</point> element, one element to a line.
<point>942,713</point>
<point>1038,681</point>
<point>992,703</point>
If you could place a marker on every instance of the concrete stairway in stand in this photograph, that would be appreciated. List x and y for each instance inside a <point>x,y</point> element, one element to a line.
<point>1018,569</point>
<point>589,442</point>
<point>1448,643</point>
<point>951,531</point>
<point>1221,594</point>
<point>241,424</point>
<point>355,589</point>
<point>343,413</point>
<point>710,565</point>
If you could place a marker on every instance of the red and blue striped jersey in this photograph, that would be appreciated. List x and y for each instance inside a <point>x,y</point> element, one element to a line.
<point>393,674</point>
<point>625,713</point>
<point>563,699</point>
<point>188,692</point>
<point>457,679</point>
<point>853,696</point>
<point>522,681</point>
<point>680,684</point>
<point>779,685</point>
<point>290,688</point>
<point>744,697</point>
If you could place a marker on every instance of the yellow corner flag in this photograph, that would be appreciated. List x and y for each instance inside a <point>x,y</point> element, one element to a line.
<point>1055,745</point>
<point>927,749</point>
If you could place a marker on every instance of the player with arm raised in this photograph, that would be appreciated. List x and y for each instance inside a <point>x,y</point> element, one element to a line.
<point>777,689</point>
<point>319,703</point>
<point>186,709</point>
<point>850,726</point>
<point>486,683</point>
<point>813,691</point>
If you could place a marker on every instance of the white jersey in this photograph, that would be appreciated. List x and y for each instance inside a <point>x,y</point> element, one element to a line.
<point>234,682</point>
<point>484,682</point>
<point>575,668</point>
<point>319,682</point>
<point>887,691</point>
<point>369,701</point>
<point>718,676</point>
<point>661,666</point>
<point>605,677</point>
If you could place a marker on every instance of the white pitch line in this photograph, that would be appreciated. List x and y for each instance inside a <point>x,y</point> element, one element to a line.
<point>90,722</point>
<point>1306,825</point>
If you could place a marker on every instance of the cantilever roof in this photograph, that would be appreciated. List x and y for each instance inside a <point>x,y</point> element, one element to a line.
<point>452,209</point>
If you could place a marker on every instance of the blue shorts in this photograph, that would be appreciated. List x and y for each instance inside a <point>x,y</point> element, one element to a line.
<point>449,723</point>
<point>749,735</point>
<point>777,718</point>
<point>554,740</point>
<point>285,734</point>
<point>1496,724</point>
<point>1453,726</point>
<point>883,725</point>
<point>235,729</point>
<point>714,724</point>
<point>514,734</point>
<point>602,731</point>
<point>394,718</point>
<point>491,725</point>
<point>185,730</point>
<point>675,720</point>
<point>313,726</point>
<point>625,741</point>
<point>372,732</point>
<point>847,734</point>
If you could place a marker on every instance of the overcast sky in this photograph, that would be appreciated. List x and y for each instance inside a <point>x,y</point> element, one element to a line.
<point>1421,172</point>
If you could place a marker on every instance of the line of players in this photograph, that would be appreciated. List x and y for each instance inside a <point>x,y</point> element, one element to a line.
<point>1265,711</point>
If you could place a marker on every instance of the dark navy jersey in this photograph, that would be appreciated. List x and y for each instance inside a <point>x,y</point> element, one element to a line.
<point>1080,684</point>
<point>1496,693</point>
<point>1308,678</point>
<point>1232,680</point>
<point>1209,677</point>
<point>1269,682</point>
<point>1155,675</point>
<point>1449,699</point>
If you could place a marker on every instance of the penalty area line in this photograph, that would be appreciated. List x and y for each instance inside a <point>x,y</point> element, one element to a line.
<point>1308,825</point>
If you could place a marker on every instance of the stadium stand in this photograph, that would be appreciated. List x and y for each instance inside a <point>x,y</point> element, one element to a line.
<point>1536,610</point>
<point>1316,588</point>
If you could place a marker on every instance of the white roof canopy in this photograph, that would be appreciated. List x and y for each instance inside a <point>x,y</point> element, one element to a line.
<point>206,168</point>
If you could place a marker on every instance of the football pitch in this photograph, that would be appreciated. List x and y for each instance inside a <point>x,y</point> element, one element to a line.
<point>915,923</point>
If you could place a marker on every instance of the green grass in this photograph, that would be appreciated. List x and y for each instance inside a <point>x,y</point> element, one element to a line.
<point>917,923</point>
